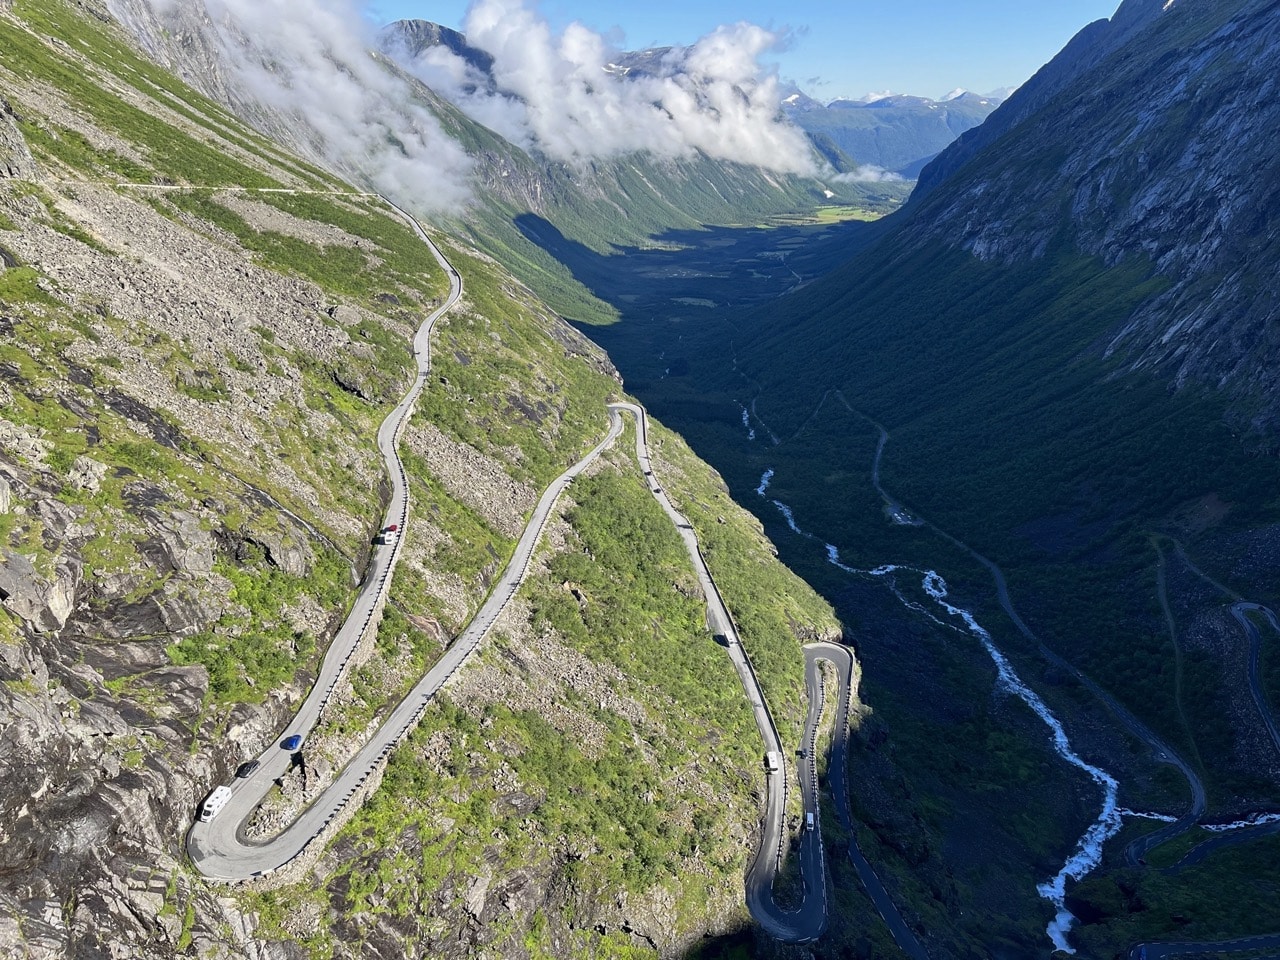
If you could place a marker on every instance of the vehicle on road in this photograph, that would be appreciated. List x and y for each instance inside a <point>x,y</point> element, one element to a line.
<point>808,821</point>
<point>773,761</point>
<point>390,534</point>
<point>246,769</point>
<point>214,802</point>
<point>292,743</point>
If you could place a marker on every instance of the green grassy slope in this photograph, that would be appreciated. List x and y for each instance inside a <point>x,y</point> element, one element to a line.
<point>260,385</point>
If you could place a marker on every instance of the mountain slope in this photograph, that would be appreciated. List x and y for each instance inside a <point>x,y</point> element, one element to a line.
<point>1170,160</point>
<point>1091,307</point>
<point>201,332</point>
<point>609,202</point>
<point>1068,338</point>
<point>597,201</point>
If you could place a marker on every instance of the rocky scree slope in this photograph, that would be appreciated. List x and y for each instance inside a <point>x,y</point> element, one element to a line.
<point>1169,159</point>
<point>190,379</point>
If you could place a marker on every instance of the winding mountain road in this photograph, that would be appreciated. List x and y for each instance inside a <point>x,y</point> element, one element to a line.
<point>841,658</point>
<point>1239,611</point>
<point>809,921</point>
<point>220,849</point>
<point>1135,853</point>
<point>217,848</point>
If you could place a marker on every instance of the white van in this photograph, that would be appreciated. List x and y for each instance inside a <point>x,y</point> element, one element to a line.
<point>808,821</point>
<point>214,802</point>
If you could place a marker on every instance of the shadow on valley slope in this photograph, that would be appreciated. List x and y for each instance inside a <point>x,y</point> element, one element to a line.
<point>694,282</point>
<point>966,806</point>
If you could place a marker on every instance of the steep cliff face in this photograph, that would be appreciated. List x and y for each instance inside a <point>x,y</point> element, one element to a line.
<point>162,392</point>
<point>1148,138</point>
<point>15,158</point>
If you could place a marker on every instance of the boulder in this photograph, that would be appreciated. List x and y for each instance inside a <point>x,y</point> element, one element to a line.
<point>182,542</point>
<point>86,474</point>
<point>286,551</point>
<point>44,604</point>
<point>22,442</point>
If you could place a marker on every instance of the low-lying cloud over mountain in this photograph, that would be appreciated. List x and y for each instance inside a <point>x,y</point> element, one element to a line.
<point>566,95</point>
<point>563,95</point>
<point>311,60</point>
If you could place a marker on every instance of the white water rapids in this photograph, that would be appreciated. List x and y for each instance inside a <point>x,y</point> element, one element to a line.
<point>1088,852</point>
<point>1256,820</point>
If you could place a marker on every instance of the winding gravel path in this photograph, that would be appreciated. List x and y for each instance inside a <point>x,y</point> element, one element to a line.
<point>1137,850</point>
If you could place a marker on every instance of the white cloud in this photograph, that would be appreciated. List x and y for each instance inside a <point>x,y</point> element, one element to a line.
<point>867,173</point>
<point>557,93</point>
<point>311,61</point>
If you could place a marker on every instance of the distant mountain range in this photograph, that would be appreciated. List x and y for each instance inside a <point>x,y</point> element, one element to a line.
<point>894,132</point>
<point>897,132</point>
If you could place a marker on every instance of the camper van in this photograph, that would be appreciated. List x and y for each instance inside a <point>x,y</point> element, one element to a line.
<point>773,761</point>
<point>214,802</point>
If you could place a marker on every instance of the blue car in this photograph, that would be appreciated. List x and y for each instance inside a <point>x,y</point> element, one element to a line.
<point>292,743</point>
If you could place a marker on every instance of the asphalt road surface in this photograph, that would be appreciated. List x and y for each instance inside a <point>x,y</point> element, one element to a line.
<point>808,922</point>
<point>217,848</point>
<point>1238,610</point>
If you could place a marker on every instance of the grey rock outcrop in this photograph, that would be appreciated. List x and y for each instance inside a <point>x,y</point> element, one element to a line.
<point>287,551</point>
<point>15,158</point>
<point>183,542</point>
<point>43,602</point>
<point>86,474</point>
<point>1169,158</point>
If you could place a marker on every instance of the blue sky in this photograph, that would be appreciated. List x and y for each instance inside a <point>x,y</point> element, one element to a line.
<point>841,48</point>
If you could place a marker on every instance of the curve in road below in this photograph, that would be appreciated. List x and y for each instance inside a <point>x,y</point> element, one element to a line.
<point>1137,850</point>
<point>218,848</point>
<point>842,659</point>
<point>1239,611</point>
